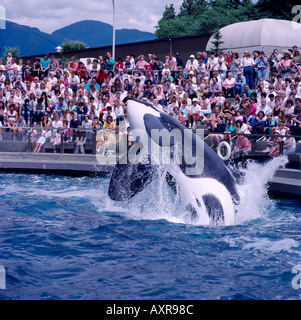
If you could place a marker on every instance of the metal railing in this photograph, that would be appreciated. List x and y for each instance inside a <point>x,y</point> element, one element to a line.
<point>64,140</point>
<point>52,139</point>
<point>258,141</point>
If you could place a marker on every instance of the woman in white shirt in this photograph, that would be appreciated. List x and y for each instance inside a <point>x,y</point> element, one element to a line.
<point>119,112</point>
<point>248,65</point>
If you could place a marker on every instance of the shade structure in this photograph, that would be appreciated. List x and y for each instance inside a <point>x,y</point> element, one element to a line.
<point>265,35</point>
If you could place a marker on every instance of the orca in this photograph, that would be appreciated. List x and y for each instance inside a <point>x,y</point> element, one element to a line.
<point>205,186</point>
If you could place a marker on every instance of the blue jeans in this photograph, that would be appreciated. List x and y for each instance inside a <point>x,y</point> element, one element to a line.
<point>81,147</point>
<point>118,119</point>
<point>26,115</point>
<point>248,73</point>
<point>261,74</point>
<point>37,117</point>
<point>238,88</point>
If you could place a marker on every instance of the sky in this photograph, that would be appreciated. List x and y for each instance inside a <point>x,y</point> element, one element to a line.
<point>49,16</point>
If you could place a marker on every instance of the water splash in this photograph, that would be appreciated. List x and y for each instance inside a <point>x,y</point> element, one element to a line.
<point>159,202</point>
<point>254,200</point>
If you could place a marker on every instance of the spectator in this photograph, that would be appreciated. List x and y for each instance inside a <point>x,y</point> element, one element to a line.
<point>180,63</point>
<point>228,85</point>
<point>72,65</point>
<point>242,147</point>
<point>289,146</point>
<point>215,86</point>
<point>194,114</point>
<point>286,65</point>
<point>54,66</point>
<point>192,63</point>
<point>261,63</point>
<point>171,61</point>
<point>259,123</point>
<point>45,64</point>
<point>248,65</point>
<point>73,81</point>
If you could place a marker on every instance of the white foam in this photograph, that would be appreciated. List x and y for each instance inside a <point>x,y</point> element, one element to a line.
<point>158,202</point>
<point>254,200</point>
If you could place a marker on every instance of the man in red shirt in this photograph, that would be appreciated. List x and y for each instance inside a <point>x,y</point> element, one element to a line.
<point>81,70</point>
<point>101,75</point>
<point>73,65</point>
<point>119,66</point>
<point>28,77</point>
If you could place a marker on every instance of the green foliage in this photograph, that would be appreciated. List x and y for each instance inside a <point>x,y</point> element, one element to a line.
<point>176,27</point>
<point>169,13</point>
<point>276,9</point>
<point>15,51</point>
<point>73,46</point>
<point>192,8</point>
<point>201,16</point>
<point>217,42</point>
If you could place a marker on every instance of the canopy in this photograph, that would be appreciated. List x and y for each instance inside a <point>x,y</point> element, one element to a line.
<point>265,35</point>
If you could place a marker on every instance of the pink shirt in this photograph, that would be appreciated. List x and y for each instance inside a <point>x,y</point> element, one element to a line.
<point>172,63</point>
<point>229,83</point>
<point>243,143</point>
<point>141,64</point>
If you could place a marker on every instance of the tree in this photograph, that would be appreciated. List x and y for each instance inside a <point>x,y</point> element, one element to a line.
<point>192,7</point>
<point>169,13</point>
<point>217,42</point>
<point>180,26</point>
<point>276,9</point>
<point>206,16</point>
<point>15,51</point>
<point>73,46</point>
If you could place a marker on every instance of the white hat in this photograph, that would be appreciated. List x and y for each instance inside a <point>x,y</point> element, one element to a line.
<point>194,99</point>
<point>192,56</point>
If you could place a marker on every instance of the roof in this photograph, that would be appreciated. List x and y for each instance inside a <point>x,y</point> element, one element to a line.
<point>262,34</point>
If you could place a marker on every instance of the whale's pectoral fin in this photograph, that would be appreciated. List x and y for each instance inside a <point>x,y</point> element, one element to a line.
<point>129,179</point>
<point>214,209</point>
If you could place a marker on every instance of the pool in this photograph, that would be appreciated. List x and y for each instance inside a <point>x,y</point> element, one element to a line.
<point>63,238</point>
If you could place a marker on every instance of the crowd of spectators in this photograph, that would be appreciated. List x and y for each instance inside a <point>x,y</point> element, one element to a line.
<point>254,93</point>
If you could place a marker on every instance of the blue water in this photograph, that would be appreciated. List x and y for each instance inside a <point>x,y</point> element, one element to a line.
<point>62,238</point>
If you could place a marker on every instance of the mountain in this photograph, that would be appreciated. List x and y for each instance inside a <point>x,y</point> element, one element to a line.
<point>32,41</point>
<point>96,34</point>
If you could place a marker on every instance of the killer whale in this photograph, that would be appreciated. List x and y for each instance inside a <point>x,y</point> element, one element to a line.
<point>210,194</point>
